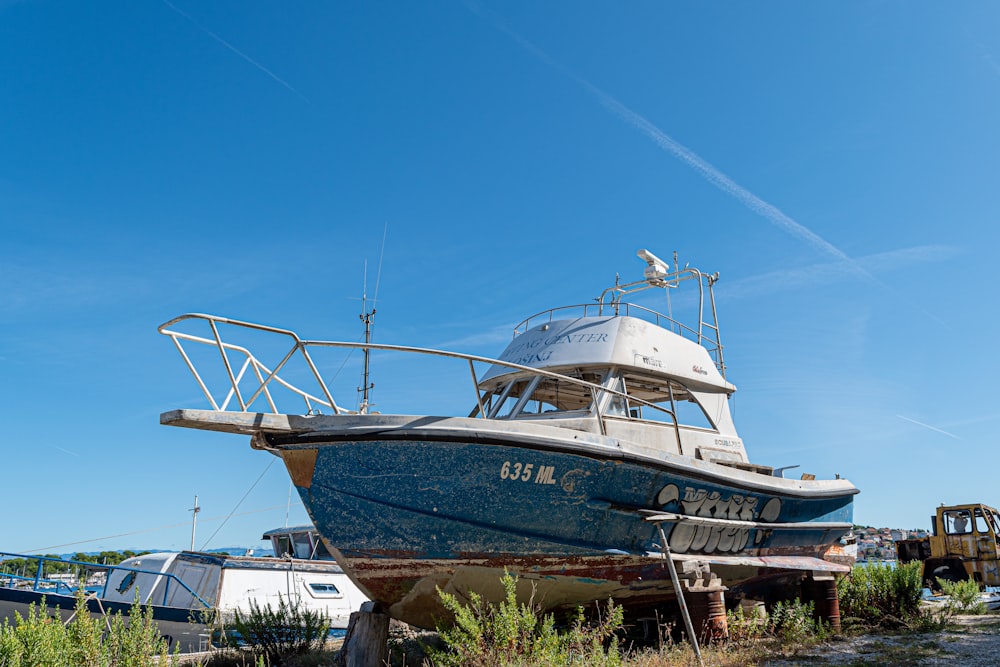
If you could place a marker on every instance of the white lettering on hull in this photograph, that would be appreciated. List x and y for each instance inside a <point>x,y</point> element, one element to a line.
<point>523,472</point>
<point>697,502</point>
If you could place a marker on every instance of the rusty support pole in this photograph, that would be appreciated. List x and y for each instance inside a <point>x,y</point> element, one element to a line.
<point>680,594</point>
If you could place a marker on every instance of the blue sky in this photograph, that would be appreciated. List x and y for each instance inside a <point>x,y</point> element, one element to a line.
<point>837,163</point>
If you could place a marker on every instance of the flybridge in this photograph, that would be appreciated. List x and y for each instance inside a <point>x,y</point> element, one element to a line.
<point>251,381</point>
<point>702,329</point>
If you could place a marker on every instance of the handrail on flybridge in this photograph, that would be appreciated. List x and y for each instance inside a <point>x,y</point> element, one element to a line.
<point>656,275</point>
<point>267,377</point>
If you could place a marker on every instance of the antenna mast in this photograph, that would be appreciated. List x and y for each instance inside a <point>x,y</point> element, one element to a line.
<point>366,317</point>
<point>194,519</point>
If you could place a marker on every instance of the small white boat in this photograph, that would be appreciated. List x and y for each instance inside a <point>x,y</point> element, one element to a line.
<point>187,589</point>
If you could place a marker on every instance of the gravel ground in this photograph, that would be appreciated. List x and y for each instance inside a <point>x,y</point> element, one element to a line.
<point>973,642</point>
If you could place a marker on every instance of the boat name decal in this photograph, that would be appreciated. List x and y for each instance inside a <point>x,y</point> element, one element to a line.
<point>725,442</point>
<point>522,472</point>
<point>699,370</point>
<point>528,359</point>
<point>688,536</point>
<point>523,354</point>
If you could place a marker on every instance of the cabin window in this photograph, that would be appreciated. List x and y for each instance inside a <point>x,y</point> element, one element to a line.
<point>303,545</point>
<point>282,545</point>
<point>323,590</point>
<point>553,395</point>
<point>500,401</point>
<point>659,392</point>
<point>982,525</point>
<point>957,522</point>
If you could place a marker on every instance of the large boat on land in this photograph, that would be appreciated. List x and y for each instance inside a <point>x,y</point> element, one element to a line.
<point>598,451</point>
<point>191,594</point>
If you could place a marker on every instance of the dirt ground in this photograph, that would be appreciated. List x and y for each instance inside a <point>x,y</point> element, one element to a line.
<point>974,642</point>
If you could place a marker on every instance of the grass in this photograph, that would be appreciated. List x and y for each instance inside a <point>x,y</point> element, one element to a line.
<point>518,635</point>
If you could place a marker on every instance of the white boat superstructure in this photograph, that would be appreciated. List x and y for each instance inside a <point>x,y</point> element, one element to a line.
<point>228,583</point>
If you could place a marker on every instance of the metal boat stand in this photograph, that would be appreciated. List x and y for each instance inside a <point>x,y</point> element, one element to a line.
<point>709,606</point>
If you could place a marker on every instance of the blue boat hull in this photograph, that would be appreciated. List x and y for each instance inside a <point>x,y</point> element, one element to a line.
<point>406,516</point>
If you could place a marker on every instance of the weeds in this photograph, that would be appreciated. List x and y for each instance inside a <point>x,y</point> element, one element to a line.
<point>516,635</point>
<point>881,596</point>
<point>275,634</point>
<point>964,596</point>
<point>792,622</point>
<point>41,640</point>
<point>746,628</point>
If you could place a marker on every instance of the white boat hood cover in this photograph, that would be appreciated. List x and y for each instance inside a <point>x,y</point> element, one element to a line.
<point>622,341</point>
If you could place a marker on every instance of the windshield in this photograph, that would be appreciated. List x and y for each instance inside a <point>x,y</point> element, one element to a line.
<point>536,395</point>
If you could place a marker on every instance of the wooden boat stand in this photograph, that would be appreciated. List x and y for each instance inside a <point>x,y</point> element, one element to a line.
<point>367,641</point>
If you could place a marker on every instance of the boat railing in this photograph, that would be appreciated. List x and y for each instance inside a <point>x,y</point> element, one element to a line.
<point>11,580</point>
<point>39,583</point>
<point>611,303</point>
<point>264,375</point>
<point>616,309</point>
<point>265,378</point>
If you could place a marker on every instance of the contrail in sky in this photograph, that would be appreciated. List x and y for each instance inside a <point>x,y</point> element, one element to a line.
<point>709,172</point>
<point>234,49</point>
<point>827,272</point>
<point>929,427</point>
<point>988,57</point>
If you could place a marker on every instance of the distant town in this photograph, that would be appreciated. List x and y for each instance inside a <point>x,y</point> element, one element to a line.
<point>880,543</point>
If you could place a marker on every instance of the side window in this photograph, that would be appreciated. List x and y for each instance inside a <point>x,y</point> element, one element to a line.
<point>303,546</point>
<point>323,590</point>
<point>957,522</point>
<point>687,410</point>
<point>982,526</point>
<point>282,546</point>
<point>616,406</point>
<point>690,413</point>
